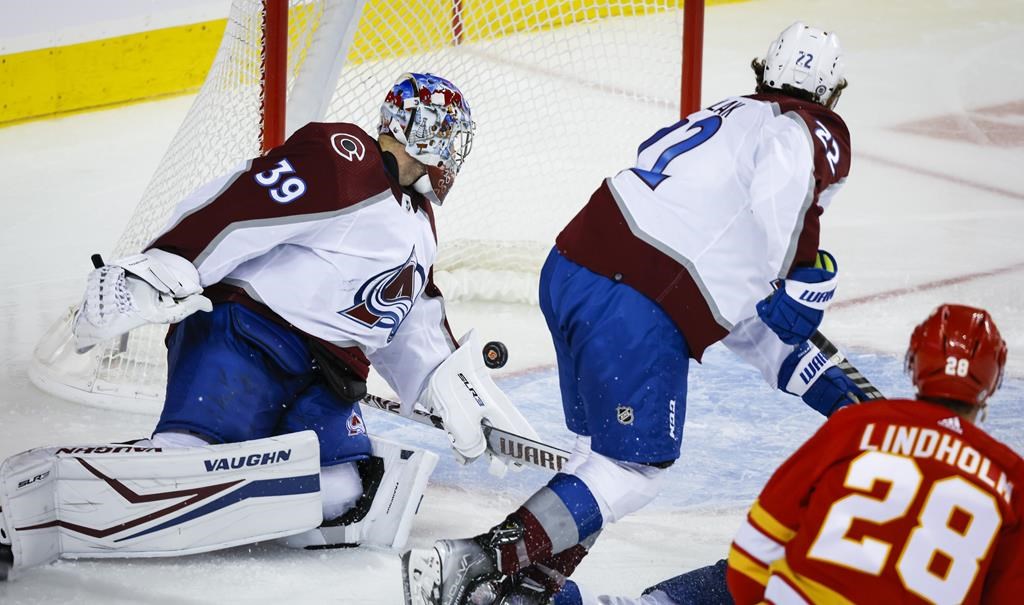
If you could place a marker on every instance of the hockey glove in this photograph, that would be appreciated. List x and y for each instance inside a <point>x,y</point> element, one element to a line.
<point>794,311</point>
<point>462,393</point>
<point>815,378</point>
<point>153,287</point>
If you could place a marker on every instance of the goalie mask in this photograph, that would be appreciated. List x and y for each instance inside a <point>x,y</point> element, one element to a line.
<point>430,116</point>
<point>957,353</point>
<point>806,59</point>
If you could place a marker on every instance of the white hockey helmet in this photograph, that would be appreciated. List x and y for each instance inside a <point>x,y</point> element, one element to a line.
<point>808,59</point>
<point>430,116</point>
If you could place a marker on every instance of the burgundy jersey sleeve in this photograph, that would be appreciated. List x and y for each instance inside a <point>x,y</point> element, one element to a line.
<point>322,169</point>
<point>830,140</point>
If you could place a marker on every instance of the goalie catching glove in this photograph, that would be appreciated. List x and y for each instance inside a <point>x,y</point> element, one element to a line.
<point>462,393</point>
<point>153,287</point>
<point>794,311</point>
<point>815,378</point>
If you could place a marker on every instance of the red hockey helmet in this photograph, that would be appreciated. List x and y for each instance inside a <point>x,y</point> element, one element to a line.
<point>957,353</point>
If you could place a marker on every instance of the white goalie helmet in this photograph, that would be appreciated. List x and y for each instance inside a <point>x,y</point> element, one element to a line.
<point>430,116</point>
<point>808,59</point>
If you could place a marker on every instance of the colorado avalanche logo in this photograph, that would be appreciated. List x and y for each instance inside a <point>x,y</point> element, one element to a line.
<point>355,425</point>
<point>386,298</point>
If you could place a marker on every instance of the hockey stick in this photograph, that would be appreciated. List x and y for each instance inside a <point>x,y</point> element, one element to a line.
<point>517,448</point>
<point>832,352</point>
<point>505,445</point>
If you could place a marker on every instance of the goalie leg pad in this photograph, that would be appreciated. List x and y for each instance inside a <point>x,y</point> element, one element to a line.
<point>394,481</point>
<point>119,500</point>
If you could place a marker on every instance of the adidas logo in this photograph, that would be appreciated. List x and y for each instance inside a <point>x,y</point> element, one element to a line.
<point>952,423</point>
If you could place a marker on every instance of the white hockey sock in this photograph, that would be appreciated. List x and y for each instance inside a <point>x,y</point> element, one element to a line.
<point>175,440</point>
<point>340,487</point>
<point>620,488</point>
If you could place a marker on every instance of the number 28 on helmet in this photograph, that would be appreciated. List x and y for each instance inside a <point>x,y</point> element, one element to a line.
<point>957,354</point>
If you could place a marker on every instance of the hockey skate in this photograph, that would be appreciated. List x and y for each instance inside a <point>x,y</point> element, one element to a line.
<point>453,572</point>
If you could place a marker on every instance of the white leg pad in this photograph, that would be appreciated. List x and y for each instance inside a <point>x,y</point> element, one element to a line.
<point>116,500</point>
<point>406,472</point>
<point>389,520</point>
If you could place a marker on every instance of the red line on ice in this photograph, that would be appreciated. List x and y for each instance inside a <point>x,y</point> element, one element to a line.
<point>939,175</point>
<point>932,285</point>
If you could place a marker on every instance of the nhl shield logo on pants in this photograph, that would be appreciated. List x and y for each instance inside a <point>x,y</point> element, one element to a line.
<point>624,414</point>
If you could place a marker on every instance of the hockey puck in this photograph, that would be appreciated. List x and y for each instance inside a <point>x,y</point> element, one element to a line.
<point>495,354</point>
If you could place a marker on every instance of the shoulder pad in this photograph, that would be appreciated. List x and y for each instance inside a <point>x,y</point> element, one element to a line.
<point>346,141</point>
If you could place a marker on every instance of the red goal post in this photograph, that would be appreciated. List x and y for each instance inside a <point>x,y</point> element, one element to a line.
<point>275,62</point>
<point>562,92</point>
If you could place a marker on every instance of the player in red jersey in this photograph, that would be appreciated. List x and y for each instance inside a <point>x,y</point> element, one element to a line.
<point>897,500</point>
<point>892,501</point>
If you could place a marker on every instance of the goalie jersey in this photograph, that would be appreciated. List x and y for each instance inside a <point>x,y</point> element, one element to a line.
<point>889,502</point>
<point>319,235</point>
<point>717,206</point>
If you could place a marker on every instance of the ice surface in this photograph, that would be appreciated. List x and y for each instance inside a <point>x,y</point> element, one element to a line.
<point>932,212</point>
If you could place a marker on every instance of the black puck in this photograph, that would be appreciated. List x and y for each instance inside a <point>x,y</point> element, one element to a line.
<point>495,354</point>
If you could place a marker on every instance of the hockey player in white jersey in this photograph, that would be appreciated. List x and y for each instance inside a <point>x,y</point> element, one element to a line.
<point>288,277</point>
<point>711,236</point>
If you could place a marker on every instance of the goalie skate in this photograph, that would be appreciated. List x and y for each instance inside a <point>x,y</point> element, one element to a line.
<point>453,572</point>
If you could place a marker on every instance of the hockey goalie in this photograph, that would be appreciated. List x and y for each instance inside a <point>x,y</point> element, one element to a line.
<point>282,280</point>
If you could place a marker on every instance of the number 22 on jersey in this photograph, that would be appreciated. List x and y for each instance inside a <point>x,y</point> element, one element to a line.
<point>697,134</point>
<point>938,562</point>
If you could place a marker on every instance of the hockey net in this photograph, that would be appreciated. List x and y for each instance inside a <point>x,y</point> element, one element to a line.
<point>562,91</point>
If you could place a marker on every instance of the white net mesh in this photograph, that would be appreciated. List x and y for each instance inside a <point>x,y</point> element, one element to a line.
<point>562,91</point>
<point>560,99</point>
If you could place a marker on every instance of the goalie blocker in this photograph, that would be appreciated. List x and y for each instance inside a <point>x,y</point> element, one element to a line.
<point>462,393</point>
<point>157,502</point>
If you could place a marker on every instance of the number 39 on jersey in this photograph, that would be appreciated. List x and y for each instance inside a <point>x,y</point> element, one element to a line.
<point>281,183</point>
